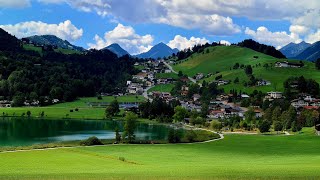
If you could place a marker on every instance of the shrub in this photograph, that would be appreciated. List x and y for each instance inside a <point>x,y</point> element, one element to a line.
<point>71,110</point>
<point>91,141</point>
<point>122,159</point>
<point>264,126</point>
<point>77,109</point>
<point>191,136</point>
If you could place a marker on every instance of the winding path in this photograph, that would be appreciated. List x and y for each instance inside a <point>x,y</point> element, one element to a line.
<point>190,78</point>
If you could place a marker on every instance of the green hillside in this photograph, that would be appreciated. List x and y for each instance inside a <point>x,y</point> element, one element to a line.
<point>222,58</point>
<point>39,50</point>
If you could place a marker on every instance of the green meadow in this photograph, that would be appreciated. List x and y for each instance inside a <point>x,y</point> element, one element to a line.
<point>162,88</point>
<point>221,58</point>
<point>62,110</point>
<point>235,157</point>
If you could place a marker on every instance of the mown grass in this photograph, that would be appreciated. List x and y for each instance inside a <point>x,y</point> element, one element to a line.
<point>62,110</point>
<point>222,58</point>
<point>235,157</point>
<point>162,88</point>
<point>167,75</point>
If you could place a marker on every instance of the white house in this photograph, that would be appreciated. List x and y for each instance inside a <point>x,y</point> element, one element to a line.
<point>274,95</point>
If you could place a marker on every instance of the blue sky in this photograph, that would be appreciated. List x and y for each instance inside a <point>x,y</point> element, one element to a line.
<point>137,25</point>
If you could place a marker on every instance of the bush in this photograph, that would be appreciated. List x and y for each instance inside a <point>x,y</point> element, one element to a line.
<point>174,136</point>
<point>264,126</point>
<point>191,136</point>
<point>91,141</point>
<point>122,159</point>
<point>77,109</point>
<point>71,110</point>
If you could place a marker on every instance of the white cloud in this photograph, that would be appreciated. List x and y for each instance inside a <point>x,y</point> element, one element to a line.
<point>227,43</point>
<point>277,39</point>
<point>182,43</point>
<point>64,30</point>
<point>14,3</point>
<point>313,37</point>
<point>126,37</point>
<point>298,29</point>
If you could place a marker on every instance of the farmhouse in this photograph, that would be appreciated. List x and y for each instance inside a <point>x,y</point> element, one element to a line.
<point>274,95</point>
<point>286,64</point>
<point>263,83</point>
<point>222,82</point>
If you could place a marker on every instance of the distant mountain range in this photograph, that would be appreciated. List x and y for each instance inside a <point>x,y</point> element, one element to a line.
<point>117,49</point>
<point>293,50</point>
<point>53,41</point>
<point>158,51</point>
<point>302,51</point>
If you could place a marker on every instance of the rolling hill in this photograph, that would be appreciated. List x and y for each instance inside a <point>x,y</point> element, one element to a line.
<point>221,59</point>
<point>292,50</point>
<point>53,41</point>
<point>158,51</point>
<point>117,49</point>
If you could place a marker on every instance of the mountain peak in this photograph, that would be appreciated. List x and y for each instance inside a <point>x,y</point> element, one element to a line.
<point>293,49</point>
<point>160,50</point>
<point>117,49</point>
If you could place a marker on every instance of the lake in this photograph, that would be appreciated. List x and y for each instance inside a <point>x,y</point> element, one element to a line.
<point>25,131</point>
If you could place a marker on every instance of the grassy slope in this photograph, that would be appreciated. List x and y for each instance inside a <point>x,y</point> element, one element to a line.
<point>167,75</point>
<point>60,110</point>
<point>221,58</point>
<point>162,88</point>
<point>39,49</point>
<point>236,157</point>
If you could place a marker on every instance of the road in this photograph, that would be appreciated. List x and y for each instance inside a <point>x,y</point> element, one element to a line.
<point>190,78</point>
<point>145,93</point>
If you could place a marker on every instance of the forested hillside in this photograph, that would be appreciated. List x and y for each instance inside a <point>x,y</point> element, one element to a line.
<point>27,76</point>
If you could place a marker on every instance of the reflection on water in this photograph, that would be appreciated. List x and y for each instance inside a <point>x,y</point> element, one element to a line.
<point>24,131</point>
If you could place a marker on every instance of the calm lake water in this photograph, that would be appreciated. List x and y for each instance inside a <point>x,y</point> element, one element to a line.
<point>24,131</point>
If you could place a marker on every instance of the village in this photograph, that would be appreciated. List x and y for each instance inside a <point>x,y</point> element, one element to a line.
<point>219,108</point>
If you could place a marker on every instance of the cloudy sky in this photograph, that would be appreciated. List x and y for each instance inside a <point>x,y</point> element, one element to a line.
<point>137,25</point>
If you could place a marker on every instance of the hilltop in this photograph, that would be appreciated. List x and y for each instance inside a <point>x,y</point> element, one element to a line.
<point>158,51</point>
<point>117,49</point>
<point>220,60</point>
<point>53,41</point>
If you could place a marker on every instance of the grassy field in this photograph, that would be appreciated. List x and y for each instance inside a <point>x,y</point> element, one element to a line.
<point>167,75</point>
<point>162,88</point>
<point>62,110</point>
<point>39,50</point>
<point>235,157</point>
<point>82,102</point>
<point>222,58</point>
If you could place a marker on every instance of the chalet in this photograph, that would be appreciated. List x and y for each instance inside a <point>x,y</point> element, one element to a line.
<point>222,82</point>
<point>244,96</point>
<point>184,79</point>
<point>140,76</point>
<point>258,113</point>
<point>286,64</point>
<point>199,76</point>
<point>5,103</point>
<point>167,71</point>
<point>263,83</point>
<point>299,103</point>
<point>216,114</point>
<point>196,97</point>
<point>274,95</point>
<point>136,64</point>
<point>184,90</point>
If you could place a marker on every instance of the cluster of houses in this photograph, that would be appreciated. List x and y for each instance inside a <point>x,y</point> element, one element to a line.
<point>306,101</point>
<point>146,78</point>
